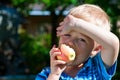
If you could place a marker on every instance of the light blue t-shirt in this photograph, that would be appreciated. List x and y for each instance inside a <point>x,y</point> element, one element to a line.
<point>93,69</point>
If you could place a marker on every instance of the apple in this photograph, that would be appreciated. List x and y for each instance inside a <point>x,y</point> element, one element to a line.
<point>67,53</point>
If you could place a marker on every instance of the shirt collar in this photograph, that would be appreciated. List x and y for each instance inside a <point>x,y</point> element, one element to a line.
<point>88,63</point>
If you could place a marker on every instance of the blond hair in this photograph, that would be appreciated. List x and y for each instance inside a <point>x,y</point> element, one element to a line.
<point>93,14</point>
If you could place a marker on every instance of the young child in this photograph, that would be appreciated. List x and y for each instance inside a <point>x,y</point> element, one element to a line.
<point>86,29</point>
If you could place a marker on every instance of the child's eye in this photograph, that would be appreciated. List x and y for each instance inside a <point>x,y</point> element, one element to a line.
<point>68,35</point>
<point>81,39</point>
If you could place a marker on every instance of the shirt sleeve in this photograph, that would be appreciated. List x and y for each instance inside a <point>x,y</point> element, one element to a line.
<point>43,75</point>
<point>107,73</point>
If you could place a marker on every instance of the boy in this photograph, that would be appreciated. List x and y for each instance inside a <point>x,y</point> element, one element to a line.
<point>87,30</point>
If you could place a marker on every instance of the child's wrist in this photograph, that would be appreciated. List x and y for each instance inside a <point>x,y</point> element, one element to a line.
<point>53,76</point>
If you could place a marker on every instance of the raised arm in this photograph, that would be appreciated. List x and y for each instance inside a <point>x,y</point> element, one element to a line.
<point>108,41</point>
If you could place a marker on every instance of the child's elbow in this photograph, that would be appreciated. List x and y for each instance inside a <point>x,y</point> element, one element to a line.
<point>115,44</point>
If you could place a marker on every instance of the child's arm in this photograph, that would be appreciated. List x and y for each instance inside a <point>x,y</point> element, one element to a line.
<point>108,41</point>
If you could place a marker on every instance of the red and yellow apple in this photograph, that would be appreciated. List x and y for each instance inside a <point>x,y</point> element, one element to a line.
<point>67,53</point>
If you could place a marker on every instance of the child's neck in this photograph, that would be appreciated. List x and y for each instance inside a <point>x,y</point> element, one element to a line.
<point>73,70</point>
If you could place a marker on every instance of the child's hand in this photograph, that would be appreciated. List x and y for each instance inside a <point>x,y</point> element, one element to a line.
<point>57,66</point>
<point>67,25</point>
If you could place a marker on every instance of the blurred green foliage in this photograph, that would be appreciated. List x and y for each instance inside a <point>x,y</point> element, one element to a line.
<point>52,4</point>
<point>35,50</point>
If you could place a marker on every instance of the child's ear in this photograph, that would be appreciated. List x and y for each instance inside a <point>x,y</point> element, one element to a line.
<point>96,50</point>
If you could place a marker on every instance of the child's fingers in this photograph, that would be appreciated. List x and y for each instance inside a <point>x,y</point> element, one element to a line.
<point>54,49</point>
<point>59,62</point>
<point>54,55</point>
<point>61,23</point>
<point>59,29</point>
